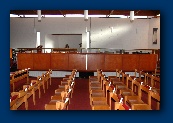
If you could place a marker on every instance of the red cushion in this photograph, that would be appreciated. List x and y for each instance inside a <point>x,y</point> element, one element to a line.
<point>33,83</point>
<point>119,96</point>
<point>13,97</point>
<point>147,86</point>
<point>126,107</point>
<point>112,86</point>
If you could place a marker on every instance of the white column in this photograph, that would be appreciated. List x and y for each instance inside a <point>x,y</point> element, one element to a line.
<point>39,15</point>
<point>85,15</point>
<point>38,39</point>
<point>131,16</point>
<point>87,39</point>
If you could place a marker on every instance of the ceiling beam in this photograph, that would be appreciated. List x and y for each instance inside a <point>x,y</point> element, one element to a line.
<point>62,13</point>
<point>110,13</point>
<point>137,12</point>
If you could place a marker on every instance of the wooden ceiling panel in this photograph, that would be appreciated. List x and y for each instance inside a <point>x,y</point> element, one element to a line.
<point>90,12</point>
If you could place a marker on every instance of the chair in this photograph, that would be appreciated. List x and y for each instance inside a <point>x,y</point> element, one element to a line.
<point>72,76</point>
<point>45,81</point>
<point>100,107</point>
<point>13,100</point>
<point>156,96</point>
<point>131,100</point>
<point>49,76</point>
<point>58,105</point>
<point>116,77</point>
<point>120,105</point>
<point>148,78</point>
<point>40,82</point>
<point>96,78</point>
<point>59,90</point>
<point>98,98</point>
<point>32,88</point>
<point>155,84</point>
<point>22,98</point>
<point>157,72</point>
<point>96,85</point>
<point>59,97</point>
<point>58,101</point>
<point>121,87</point>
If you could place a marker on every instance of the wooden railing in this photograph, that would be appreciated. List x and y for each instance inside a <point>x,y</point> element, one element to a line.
<point>87,61</point>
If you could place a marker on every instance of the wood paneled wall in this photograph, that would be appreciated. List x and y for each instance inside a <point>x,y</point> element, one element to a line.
<point>87,62</point>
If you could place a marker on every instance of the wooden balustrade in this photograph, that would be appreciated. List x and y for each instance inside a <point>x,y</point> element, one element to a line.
<point>87,61</point>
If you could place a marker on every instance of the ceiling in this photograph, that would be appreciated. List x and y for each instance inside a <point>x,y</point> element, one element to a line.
<point>90,12</point>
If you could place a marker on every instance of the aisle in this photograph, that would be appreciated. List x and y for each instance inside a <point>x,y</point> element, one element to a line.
<point>80,98</point>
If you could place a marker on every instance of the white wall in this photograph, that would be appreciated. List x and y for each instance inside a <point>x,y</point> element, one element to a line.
<point>59,41</point>
<point>22,33</point>
<point>125,35</point>
<point>154,23</point>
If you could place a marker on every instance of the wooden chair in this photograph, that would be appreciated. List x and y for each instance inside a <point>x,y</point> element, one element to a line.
<point>58,105</point>
<point>101,98</point>
<point>116,77</point>
<point>97,91</point>
<point>156,96</point>
<point>59,97</point>
<point>100,107</point>
<point>70,83</point>
<point>49,76</point>
<point>120,105</point>
<point>40,82</point>
<point>148,78</point>
<point>155,84</point>
<point>96,85</point>
<point>32,88</point>
<point>45,81</point>
<point>59,90</point>
<point>157,72</point>
<point>141,76</point>
<point>13,102</point>
<point>57,100</point>
<point>73,75</point>
<point>97,77</point>
<point>98,97</point>
<point>137,99</point>
<point>121,87</point>
<point>22,98</point>
<point>12,81</point>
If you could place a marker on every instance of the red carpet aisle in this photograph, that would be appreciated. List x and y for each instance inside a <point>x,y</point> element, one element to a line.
<point>80,98</point>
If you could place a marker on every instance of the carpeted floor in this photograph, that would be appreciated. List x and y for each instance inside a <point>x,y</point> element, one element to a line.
<point>80,97</point>
<point>79,100</point>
